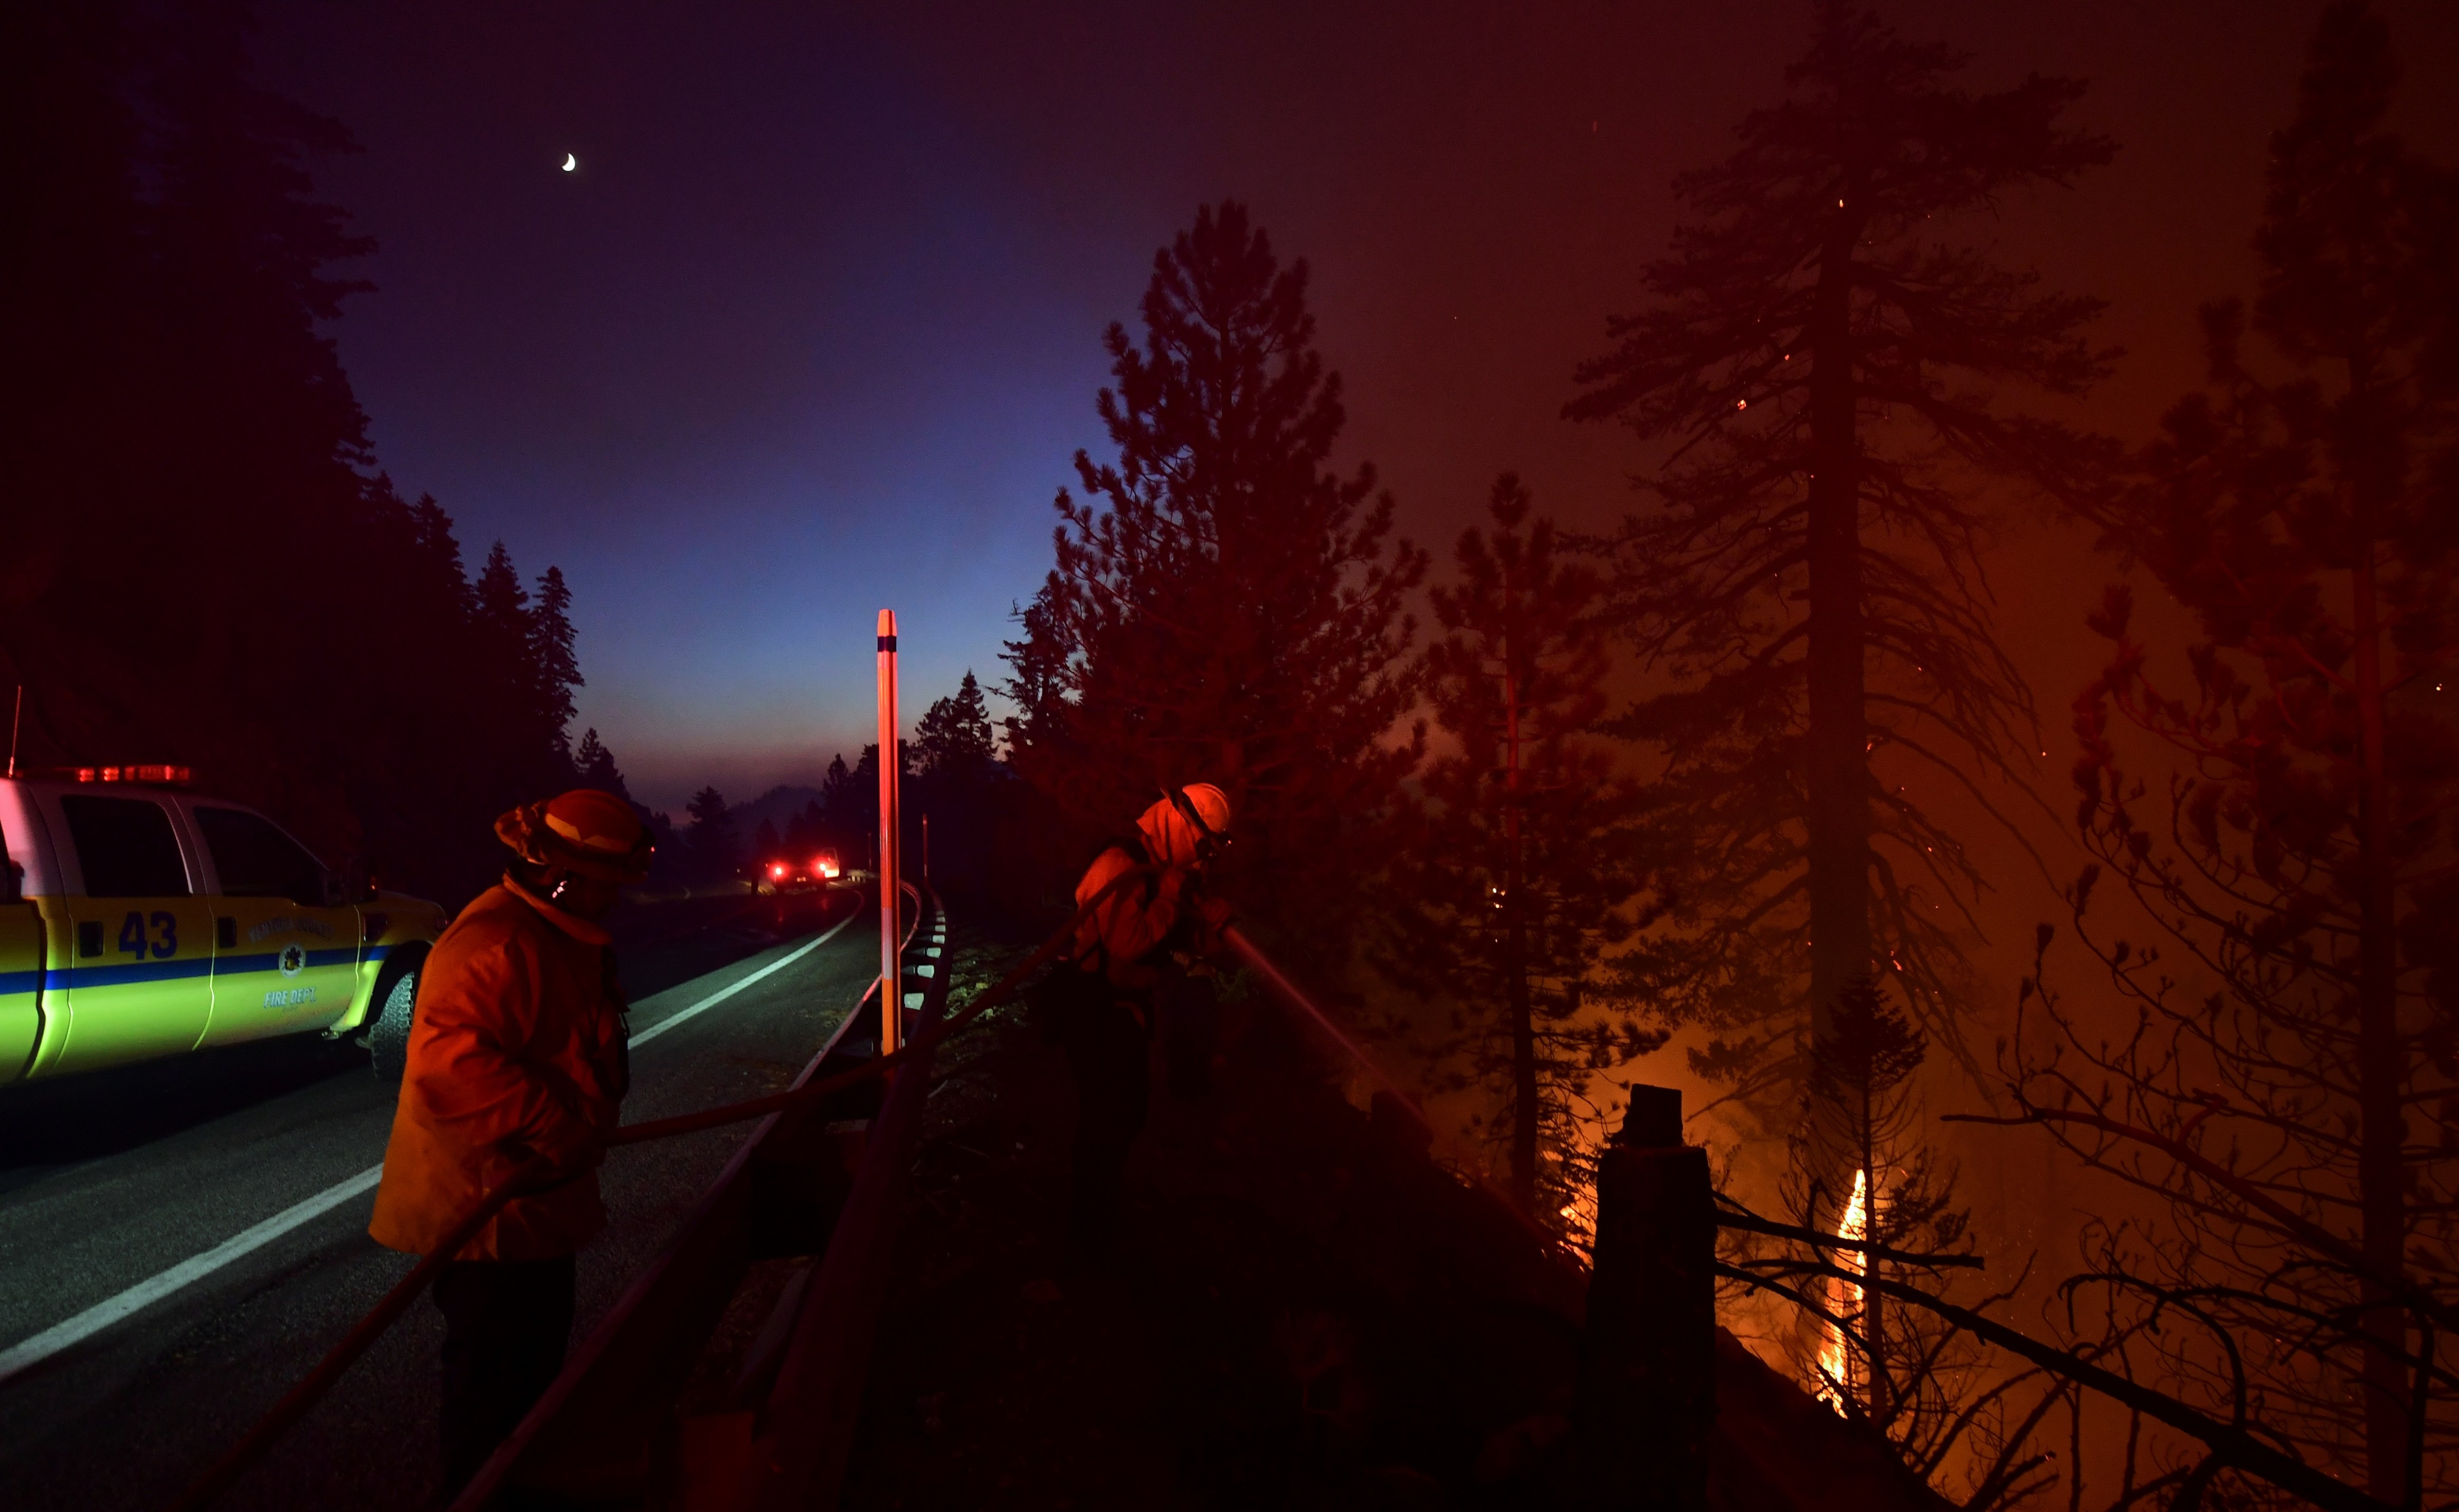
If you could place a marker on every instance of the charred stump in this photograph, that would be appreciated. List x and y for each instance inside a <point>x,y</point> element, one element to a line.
<point>1647,1383</point>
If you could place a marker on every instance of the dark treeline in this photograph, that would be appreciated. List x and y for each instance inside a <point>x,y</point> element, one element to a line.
<point>962,811</point>
<point>1775,857</point>
<point>204,563</point>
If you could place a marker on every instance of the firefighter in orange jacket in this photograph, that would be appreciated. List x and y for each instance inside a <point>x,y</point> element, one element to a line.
<point>518,1049</point>
<point>1118,961</point>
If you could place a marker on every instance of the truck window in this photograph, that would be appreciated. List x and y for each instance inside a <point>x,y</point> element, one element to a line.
<point>125,847</point>
<point>257,860</point>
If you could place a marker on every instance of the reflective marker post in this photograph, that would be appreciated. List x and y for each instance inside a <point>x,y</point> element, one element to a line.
<point>892,996</point>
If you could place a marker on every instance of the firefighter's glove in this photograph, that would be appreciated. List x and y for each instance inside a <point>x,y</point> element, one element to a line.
<point>1210,915</point>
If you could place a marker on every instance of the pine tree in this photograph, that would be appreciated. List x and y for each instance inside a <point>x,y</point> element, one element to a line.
<point>260,432</point>
<point>554,670</point>
<point>168,277</point>
<point>2309,522</point>
<point>414,775</point>
<point>808,831</point>
<point>842,800</point>
<point>499,622</point>
<point>597,767</point>
<point>953,738</point>
<point>711,840</point>
<point>497,670</point>
<point>1520,868</point>
<point>1225,607</point>
<point>74,319</point>
<point>1038,662</point>
<point>960,790</point>
<point>170,268</point>
<point>1818,361</point>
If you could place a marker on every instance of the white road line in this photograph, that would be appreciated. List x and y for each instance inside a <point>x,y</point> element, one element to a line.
<point>723,993</point>
<point>111,1310</point>
<point>32,1352</point>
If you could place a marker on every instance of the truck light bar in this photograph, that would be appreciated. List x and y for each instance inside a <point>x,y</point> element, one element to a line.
<point>145,773</point>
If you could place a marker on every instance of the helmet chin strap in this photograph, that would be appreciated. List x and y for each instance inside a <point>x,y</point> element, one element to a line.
<point>1207,840</point>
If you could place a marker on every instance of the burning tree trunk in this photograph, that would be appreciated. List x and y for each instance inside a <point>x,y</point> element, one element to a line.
<point>1862,1102</point>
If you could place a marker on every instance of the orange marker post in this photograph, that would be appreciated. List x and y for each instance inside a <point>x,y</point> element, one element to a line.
<point>891,995</point>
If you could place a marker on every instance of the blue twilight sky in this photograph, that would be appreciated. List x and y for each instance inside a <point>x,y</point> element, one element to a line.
<point>813,328</point>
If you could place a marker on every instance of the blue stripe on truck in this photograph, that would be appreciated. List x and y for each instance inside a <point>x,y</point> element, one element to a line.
<point>100,975</point>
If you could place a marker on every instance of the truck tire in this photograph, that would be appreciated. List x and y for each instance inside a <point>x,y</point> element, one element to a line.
<point>388,1029</point>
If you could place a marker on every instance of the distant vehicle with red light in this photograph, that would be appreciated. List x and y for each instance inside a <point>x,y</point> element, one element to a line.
<point>796,873</point>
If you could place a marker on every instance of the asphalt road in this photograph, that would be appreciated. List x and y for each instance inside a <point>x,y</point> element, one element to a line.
<point>106,1182</point>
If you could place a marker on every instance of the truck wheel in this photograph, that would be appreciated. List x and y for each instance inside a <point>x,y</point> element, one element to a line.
<point>389,1031</point>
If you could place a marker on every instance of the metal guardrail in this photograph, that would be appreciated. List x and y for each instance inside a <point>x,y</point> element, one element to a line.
<point>607,1432</point>
<point>799,1445</point>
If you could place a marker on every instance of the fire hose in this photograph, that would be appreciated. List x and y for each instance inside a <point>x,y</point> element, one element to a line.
<point>1462,1164</point>
<point>252,1446</point>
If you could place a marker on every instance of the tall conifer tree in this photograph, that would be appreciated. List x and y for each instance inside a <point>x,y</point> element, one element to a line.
<point>1521,872</point>
<point>2305,509</point>
<point>1225,607</point>
<point>596,766</point>
<point>954,735</point>
<point>170,280</point>
<point>716,849</point>
<point>553,670</point>
<point>1817,360</point>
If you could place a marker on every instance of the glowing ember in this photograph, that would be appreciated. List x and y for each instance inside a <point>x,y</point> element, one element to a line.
<point>1843,1301</point>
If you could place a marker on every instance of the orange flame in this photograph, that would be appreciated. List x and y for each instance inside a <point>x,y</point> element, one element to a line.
<point>1843,1301</point>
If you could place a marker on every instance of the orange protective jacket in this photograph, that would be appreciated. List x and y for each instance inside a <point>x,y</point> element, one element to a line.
<point>1122,931</point>
<point>518,1048</point>
<point>1125,926</point>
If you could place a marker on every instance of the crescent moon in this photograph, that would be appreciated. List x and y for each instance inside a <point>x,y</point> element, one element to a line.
<point>571,162</point>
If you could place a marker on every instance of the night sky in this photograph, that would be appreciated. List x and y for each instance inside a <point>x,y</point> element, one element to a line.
<point>813,328</point>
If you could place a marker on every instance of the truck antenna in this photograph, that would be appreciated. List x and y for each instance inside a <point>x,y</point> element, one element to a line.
<point>13,720</point>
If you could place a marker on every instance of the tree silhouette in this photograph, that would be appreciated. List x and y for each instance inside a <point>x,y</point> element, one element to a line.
<point>1225,607</point>
<point>961,790</point>
<point>1519,871</point>
<point>808,832</point>
<point>274,614</point>
<point>2292,1090</point>
<point>1817,362</point>
<point>852,810</point>
<point>596,765</point>
<point>552,670</point>
<point>954,739</point>
<point>715,852</point>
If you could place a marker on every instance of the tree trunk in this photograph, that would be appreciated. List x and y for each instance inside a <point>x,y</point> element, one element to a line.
<point>1515,959</point>
<point>1881,1399</point>
<point>1837,775</point>
<point>2381,1202</point>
